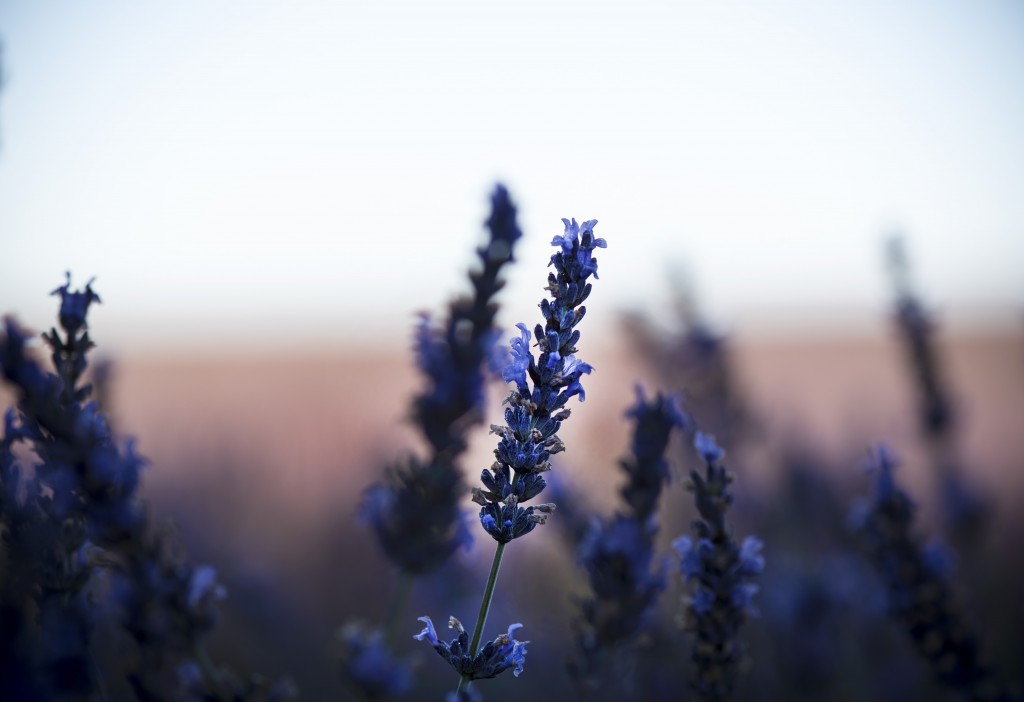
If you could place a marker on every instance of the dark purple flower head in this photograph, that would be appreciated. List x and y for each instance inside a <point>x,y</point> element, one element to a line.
<point>578,242</point>
<point>21,371</point>
<point>87,522</point>
<point>521,359</point>
<point>543,385</point>
<point>751,560</point>
<point>706,447</point>
<point>498,485</point>
<point>702,601</point>
<point>368,667</point>
<point>617,552</point>
<point>74,305</point>
<point>743,598</point>
<point>494,658</point>
<point>646,467</point>
<point>617,556</point>
<point>938,559</point>
<point>416,513</point>
<point>692,556</point>
<point>416,516</point>
<point>204,589</point>
<point>720,573</point>
<point>915,578</point>
<point>507,521</point>
<point>936,408</point>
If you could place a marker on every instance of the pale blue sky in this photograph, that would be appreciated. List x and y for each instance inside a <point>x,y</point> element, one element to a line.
<point>313,169</point>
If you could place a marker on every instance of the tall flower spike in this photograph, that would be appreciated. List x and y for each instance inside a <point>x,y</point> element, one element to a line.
<point>723,572</point>
<point>81,510</point>
<point>964,509</point>
<point>78,495</point>
<point>528,439</point>
<point>936,408</point>
<point>543,386</point>
<point>919,591</point>
<point>416,514</point>
<point>617,552</point>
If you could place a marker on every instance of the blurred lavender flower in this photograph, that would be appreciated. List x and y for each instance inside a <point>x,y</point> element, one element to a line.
<point>919,593</point>
<point>528,438</point>
<point>964,509</point>
<point>693,357</point>
<point>493,659</point>
<point>79,513</point>
<point>49,529</point>
<point>617,552</point>
<point>723,572</point>
<point>368,667</point>
<point>416,515</point>
<point>936,408</point>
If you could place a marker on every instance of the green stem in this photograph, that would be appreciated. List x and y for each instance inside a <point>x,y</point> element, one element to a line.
<point>209,671</point>
<point>398,603</point>
<point>485,607</point>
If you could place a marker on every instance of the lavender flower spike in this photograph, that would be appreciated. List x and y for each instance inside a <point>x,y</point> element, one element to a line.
<point>81,507</point>
<point>416,515</point>
<point>528,438</point>
<point>723,572</point>
<point>543,386</point>
<point>919,591</point>
<point>617,553</point>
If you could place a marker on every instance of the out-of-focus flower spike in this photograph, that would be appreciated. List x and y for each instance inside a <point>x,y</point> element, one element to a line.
<point>720,573</point>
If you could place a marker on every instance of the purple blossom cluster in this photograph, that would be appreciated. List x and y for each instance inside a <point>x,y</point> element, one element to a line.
<point>722,575</point>
<point>917,585</point>
<point>536,410</point>
<point>543,386</point>
<point>963,508</point>
<point>77,540</point>
<point>416,515</point>
<point>494,658</point>
<point>98,604</point>
<point>617,552</point>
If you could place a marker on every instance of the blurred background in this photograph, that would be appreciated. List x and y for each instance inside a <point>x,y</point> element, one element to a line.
<point>268,193</point>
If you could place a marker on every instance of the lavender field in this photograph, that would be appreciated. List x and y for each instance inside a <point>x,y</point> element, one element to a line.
<point>454,351</point>
<point>331,533</point>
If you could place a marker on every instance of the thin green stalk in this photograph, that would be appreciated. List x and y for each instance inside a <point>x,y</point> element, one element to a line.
<point>209,671</point>
<point>485,607</point>
<point>398,603</point>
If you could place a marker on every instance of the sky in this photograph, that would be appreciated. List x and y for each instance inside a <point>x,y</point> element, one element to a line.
<point>261,174</point>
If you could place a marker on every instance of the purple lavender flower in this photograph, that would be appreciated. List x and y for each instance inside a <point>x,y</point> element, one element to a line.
<point>528,439</point>
<point>368,667</point>
<point>74,305</point>
<point>919,592</point>
<point>416,513</point>
<point>964,509</point>
<point>723,571</point>
<point>80,511</point>
<point>617,552</point>
<point>494,658</point>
